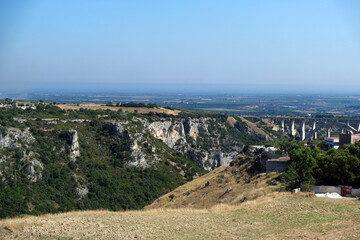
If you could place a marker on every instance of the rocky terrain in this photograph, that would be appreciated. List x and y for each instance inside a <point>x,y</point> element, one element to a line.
<point>52,160</point>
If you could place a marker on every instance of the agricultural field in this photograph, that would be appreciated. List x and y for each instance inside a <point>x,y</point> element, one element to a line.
<point>246,105</point>
<point>93,106</point>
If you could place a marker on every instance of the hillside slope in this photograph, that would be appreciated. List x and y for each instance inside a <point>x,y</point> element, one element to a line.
<point>231,184</point>
<point>285,216</point>
<point>256,128</point>
<point>52,160</point>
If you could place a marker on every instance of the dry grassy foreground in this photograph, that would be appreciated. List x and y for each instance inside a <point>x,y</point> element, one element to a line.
<point>196,194</point>
<point>282,216</point>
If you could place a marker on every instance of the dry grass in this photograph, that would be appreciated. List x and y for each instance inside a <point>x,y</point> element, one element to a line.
<point>255,128</point>
<point>282,159</point>
<point>195,195</point>
<point>281,216</point>
<point>264,214</point>
<point>231,120</point>
<point>93,106</point>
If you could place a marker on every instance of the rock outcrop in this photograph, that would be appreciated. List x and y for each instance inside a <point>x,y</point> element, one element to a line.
<point>203,140</point>
<point>81,189</point>
<point>34,170</point>
<point>7,142</point>
<point>118,129</point>
<point>74,145</point>
<point>192,127</point>
<point>138,157</point>
<point>13,137</point>
<point>80,192</point>
<point>175,134</point>
<point>168,132</point>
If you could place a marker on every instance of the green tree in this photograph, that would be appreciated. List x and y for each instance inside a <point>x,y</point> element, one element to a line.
<point>339,167</point>
<point>300,170</point>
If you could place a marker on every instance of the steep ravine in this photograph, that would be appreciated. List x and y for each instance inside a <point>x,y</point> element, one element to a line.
<point>125,162</point>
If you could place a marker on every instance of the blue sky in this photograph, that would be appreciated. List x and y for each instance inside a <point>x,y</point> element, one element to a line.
<point>205,46</point>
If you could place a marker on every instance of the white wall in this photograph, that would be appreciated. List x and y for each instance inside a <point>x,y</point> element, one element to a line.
<point>337,189</point>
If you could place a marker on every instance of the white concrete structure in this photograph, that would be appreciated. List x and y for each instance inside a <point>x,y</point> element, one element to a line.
<point>328,132</point>
<point>332,142</point>
<point>303,131</point>
<point>292,129</point>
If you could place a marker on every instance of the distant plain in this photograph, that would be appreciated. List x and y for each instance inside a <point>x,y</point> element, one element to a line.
<point>246,105</point>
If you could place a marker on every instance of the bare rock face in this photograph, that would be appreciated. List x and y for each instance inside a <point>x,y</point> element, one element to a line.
<point>200,158</point>
<point>25,136</point>
<point>34,170</point>
<point>192,127</point>
<point>168,132</point>
<point>80,192</point>
<point>7,142</point>
<point>225,158</point>
<point>175,136</point>
<point>12,137</point>
<point>74,145</point>
<point>138,157</point>
<point>118,128</point>
<point>211,160</point>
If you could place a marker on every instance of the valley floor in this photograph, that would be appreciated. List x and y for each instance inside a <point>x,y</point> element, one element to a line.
<point>279,216</point>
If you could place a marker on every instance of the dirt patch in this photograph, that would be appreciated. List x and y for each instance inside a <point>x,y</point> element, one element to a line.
<point>251,107</point>
<point>268,122</point>
<point>172,163</point>
<point>231,121</point>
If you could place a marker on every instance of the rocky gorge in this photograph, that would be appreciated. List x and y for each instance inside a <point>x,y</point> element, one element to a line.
<point>112,160</point>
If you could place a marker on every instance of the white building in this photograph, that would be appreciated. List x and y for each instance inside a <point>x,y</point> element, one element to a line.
<point>332,142</point>
<point>267,149</point>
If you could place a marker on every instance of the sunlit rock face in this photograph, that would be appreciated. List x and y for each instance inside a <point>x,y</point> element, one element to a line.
<point>12,137</point>
<point>74,145</point>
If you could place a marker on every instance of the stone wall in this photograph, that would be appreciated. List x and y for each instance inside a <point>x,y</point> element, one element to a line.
<point>325,189</point>
<point>276,166</point>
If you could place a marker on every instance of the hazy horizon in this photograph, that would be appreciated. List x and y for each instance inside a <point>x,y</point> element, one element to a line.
<point>240,47</point>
